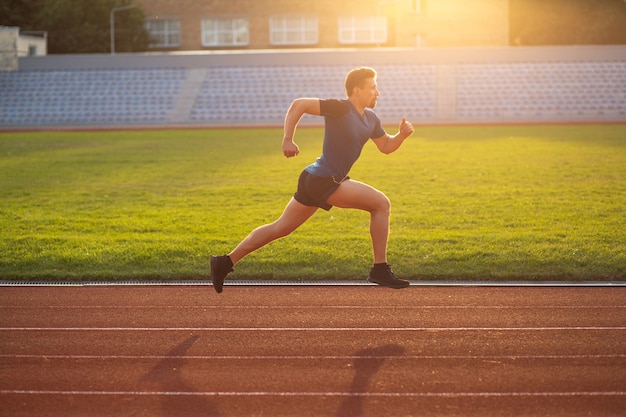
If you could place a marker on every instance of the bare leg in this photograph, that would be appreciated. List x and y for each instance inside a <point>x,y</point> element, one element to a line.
<point>355,194</point>
<point>293,216</point>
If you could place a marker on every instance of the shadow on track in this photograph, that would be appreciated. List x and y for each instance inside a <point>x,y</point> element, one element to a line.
<point>367,363</point>
<point>167,376</point>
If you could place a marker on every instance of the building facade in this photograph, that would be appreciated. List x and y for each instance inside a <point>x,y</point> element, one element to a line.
<point>15,44</point>
<point>185,25</point>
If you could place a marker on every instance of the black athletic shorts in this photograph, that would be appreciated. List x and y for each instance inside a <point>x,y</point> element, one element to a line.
<point>314,190</point>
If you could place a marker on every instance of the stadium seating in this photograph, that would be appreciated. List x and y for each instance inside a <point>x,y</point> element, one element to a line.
<point>541,91</point>
<point>260,94</point>
<point>88,97</point>
<point>263,94</point>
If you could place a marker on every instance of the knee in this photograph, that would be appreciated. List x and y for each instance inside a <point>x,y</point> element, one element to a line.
<point>382,203</point>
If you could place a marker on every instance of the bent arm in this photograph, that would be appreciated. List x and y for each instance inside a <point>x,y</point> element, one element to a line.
<point>388,144</point>
<point>297,109</point>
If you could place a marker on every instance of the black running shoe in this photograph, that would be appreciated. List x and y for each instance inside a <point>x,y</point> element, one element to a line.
<point>220,267</point>
<point>382,275</point>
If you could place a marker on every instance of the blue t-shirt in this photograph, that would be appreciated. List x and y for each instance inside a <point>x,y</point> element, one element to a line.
<point>346,132</point>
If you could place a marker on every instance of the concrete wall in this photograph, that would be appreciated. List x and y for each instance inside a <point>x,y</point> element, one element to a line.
<point>355,57</point>
<point>8,48</point>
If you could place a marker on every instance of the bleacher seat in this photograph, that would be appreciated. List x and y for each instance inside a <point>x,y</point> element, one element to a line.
<point>78,97</point>
<point>261,94</point>
<point>540,91</point>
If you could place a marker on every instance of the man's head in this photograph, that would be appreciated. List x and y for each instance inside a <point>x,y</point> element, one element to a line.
<point>356,78</point>
<point>361,83</point>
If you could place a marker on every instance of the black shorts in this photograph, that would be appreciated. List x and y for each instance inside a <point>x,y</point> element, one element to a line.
<point>314,191</point>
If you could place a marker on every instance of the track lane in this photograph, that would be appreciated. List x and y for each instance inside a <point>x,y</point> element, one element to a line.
<point>443,359</point>
<point>370,296</point>
<point>301,317</point>
<point>385,374</point>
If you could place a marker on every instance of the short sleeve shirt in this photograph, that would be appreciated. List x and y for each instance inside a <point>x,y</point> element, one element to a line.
<point>345,134</point>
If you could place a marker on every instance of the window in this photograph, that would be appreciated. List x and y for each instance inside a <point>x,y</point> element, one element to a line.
<point>367,29</point>
<point>293,30</point>
<point>417,6</point>
<point>225,31</point>
<point>164,33</point>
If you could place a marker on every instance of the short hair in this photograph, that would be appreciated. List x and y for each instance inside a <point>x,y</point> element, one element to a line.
<point>357,77</point>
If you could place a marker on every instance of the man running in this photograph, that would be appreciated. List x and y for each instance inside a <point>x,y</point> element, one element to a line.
<point>349,124</point>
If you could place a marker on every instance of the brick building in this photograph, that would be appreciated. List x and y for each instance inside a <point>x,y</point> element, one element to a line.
<point>185,25</point>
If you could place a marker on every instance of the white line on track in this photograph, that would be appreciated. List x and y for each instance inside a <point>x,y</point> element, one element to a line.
<point>323,283</point>
<point>313,357</point>
<point>318,307</point>
<point>321,394</point>
<point>308,329</point>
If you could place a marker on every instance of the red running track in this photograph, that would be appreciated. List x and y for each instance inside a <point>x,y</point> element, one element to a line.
<point>346,351</point>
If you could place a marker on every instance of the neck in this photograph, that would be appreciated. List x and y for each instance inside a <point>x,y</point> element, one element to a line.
<point>359,108</point>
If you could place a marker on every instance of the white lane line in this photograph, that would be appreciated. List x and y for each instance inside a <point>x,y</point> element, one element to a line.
<point>308,329</point>
<point>321,394</point>
<point>318,307</point>
<point>321,283</point>
<point>311,357</point>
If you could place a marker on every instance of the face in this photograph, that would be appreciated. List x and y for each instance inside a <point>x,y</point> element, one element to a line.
<point>368,94</point>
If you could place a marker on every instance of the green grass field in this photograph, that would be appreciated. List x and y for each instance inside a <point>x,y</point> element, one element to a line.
<point>469,203</point>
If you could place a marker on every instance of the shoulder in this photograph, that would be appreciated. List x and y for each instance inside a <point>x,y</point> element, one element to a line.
<point>372,117</point>
<point>334,107</point>
<point>371,114</point>
<point>374,121</point>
